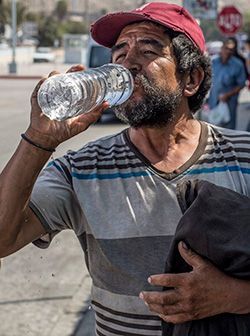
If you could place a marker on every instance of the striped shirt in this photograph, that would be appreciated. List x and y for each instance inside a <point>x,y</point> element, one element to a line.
<point>125,212</point>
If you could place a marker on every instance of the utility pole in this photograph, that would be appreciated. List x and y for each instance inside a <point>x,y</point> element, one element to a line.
<point>86,16</point>
<point>12,65</point>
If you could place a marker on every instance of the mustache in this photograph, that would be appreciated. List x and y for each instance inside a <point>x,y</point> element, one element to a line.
<point>138,76</point>
<point>141,80</point>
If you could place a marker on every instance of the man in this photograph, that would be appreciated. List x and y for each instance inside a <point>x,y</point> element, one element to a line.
<point>119,193</point>
<point>229,77</point>
<point>247,57</point>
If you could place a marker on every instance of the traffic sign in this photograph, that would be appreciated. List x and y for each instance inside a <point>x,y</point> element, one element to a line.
<point>229,20</point>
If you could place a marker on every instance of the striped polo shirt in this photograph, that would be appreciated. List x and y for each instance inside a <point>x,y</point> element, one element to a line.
<point>125,212</point>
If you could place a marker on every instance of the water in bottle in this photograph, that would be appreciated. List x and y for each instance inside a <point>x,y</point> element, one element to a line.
<point>68,95</point>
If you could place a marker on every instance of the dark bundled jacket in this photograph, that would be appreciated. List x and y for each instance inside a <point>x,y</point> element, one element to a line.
<point>216,225</point>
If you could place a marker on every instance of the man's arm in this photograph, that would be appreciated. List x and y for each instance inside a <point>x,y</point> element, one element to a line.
<point>18,224</point>
<point>225,96</point>
<point>239,85</point>
<point>205,291</point>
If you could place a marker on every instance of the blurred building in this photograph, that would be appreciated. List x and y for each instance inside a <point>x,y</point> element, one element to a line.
<point>81,7</point>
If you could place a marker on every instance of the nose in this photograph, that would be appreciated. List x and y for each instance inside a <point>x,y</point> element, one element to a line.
<point>132,61</point>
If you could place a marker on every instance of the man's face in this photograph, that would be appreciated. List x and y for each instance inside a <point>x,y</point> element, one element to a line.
<point>227,51</point>
<point>146,51</point>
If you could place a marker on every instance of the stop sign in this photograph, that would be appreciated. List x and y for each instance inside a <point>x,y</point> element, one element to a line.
<point>229,20</point>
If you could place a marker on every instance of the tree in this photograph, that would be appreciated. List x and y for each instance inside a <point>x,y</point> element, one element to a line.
<point>61,9</point>
<point>72,27</point>
<point>48,31</point>
<point>3,16</point>
<point>6,13</point>
<point>246,21</point>
<point>210,30</point>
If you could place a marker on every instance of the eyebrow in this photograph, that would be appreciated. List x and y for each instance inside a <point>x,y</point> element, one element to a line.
<point>145,41</point>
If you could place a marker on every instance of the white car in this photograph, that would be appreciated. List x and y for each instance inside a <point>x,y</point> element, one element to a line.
<point>4,45</point>
<point>214,47</point>
<point>43,54</point>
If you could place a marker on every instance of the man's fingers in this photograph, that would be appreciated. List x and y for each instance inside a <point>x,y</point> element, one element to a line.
<point>160,298</point>
<point>35,91</point>
<point>166,280</point>
<point>166,303</point>
<point>83,121</point>
<point>77,67</point>
<point>53,73</point>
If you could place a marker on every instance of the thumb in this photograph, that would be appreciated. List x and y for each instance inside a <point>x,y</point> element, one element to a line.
<point>191,258</point>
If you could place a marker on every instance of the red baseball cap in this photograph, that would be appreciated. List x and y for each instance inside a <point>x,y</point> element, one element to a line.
<point>107,29</point>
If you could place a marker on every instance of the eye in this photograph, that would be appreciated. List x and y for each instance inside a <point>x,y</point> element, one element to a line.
<point>149,52</point>
<point>120,57</point>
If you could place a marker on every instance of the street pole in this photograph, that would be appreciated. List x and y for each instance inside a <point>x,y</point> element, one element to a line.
<point>12,65</point>
<point>87,13</point>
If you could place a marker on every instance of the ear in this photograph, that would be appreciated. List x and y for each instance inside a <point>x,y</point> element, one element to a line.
<point>193,81</point>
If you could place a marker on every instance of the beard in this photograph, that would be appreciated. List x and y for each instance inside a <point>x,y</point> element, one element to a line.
<point>156,109</point>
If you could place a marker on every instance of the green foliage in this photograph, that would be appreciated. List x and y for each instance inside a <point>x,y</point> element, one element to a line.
<point>246,23</point>
<point>48,30</point>
<point>72,27</point>
<point>210,30</point>
<point>61,9</point>
<point>3,13</point>
<point>212,33</point>
<point>6,12</point>
<point>32,16</point>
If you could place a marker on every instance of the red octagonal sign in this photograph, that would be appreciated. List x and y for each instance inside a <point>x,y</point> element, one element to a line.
<point>229,20</point>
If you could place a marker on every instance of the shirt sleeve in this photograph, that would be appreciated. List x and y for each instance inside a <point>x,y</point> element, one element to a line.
<point>54,202</point>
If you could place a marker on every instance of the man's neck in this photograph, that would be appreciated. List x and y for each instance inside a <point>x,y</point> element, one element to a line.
<point>170,147</point>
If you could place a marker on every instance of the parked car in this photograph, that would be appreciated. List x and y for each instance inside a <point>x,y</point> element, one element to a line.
<point>4,45</point>
<point>214,47</point>
<point>43,54</point>
<point>97,55</point>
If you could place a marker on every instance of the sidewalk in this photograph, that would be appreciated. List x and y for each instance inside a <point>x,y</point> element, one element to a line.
<point>77,318</point>
<point>33,70</point>
<point>29,70</point>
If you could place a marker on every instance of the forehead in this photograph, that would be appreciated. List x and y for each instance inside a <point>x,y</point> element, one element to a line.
<point>143,29</point>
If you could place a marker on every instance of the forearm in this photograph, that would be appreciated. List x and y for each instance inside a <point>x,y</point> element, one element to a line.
<point>229,94</point>
<point>16,183</point>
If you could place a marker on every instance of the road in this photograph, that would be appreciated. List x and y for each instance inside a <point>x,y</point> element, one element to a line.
<point>41,291</point>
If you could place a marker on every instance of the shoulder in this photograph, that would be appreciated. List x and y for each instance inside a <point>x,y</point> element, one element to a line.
<point>236,62</point>
<point>215,59</point>
<point>102,146</point>
<point>234,137</point>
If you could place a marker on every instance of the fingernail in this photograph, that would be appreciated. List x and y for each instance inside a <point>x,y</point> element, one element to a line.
<point>141,296</point>
<point>149,280</point>
<point>184,245</point>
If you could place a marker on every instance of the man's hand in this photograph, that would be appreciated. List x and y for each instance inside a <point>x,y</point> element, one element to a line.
<point>203,292</point>
<point>50,133</point>
<point>224,97</point>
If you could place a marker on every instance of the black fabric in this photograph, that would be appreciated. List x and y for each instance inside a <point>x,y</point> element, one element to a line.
<point>216,225</point>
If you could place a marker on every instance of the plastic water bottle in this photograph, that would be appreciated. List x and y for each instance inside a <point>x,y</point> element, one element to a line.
<point>68,95</point>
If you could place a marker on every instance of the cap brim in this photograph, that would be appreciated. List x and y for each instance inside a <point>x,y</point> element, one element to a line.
<point>107,29</point>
